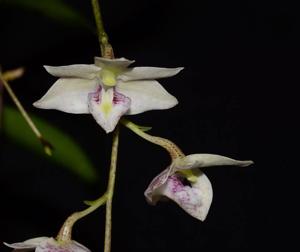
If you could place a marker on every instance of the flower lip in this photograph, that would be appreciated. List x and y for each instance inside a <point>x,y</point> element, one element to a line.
<point>107,106</point>
<point>195,198</point>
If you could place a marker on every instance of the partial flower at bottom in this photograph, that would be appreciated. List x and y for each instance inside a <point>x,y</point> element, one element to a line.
<point>45,244</point>
<point>185,184</point>
<point>108,89</point>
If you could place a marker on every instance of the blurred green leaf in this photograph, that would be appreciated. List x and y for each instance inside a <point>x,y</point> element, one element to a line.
<point>54,9</point>
<point>66,151</point>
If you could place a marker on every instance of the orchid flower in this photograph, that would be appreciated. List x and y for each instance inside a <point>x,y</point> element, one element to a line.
<point>45,244</point>
<point>196,197</point>
<point>107,89</point>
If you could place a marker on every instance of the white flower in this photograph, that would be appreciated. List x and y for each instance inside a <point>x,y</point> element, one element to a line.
<point>196,197</point>
<point>45,244</point>
<point>107,89</point>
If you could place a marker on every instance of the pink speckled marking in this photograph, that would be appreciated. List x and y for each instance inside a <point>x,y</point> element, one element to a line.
<point>186,197</point>
<point>176,184</point>
<point>119,106</point>
<point>96,96</point>
<point>118,98</point>
<point>194,198</point>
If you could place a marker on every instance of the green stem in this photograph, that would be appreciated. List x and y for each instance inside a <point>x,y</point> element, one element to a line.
<point>174,151</point>
<point>106,48</point>
<point>110,190</point>
<point>65,233</point>
<point>168,145</point>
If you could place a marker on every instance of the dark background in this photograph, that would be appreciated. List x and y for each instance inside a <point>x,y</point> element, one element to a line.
<point>236,97</point>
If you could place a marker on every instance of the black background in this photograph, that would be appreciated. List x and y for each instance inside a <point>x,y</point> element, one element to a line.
<point>236,99</point>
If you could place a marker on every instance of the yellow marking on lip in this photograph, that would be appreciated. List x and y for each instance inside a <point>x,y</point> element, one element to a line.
<point>106,108</point>
<point>189,175</point>
<point>106,104</point>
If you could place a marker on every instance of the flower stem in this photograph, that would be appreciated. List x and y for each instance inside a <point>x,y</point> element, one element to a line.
<point>107,52</point>
<point>174,151</point>
<point>106,48</point>
<point>65,233</point>
<point>110,190</point>
<point>47,146</point>
<point>168,145</point>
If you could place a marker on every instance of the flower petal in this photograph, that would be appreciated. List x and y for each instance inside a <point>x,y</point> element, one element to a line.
<point>157,182</point>
<point>51,245</point>
<point>68,95</point>
<point>107,106</point>
<point>28,244</point>
<point>148,73</point>
<point>207,160</point>
<point>195,200</point>
<point>120,63</point>
<point>146,95</point>
<point>74,71</point>
<point>204,188</point>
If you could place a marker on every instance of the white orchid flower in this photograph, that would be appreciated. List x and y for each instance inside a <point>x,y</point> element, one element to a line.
<point>107,89</point>
<point>196,197</point>
<point>45,244</point>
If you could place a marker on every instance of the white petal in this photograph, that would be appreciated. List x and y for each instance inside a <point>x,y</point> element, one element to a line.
<point>120,63</point>
<point>148,73</point>
<point>68,95</point>
<point>107,106</point>
<point>195,199</point>
<point>207,160</point>
<point>28,244</point>
<point>156,183</point>
<point>74,71</point>
<point>146,95</point>
<point>204,188</point>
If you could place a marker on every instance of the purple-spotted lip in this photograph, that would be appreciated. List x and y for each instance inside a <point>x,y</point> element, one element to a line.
<point>177,183</point>
<point>159,181</point>
<point>118,105</point>
<point>194,198</point>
